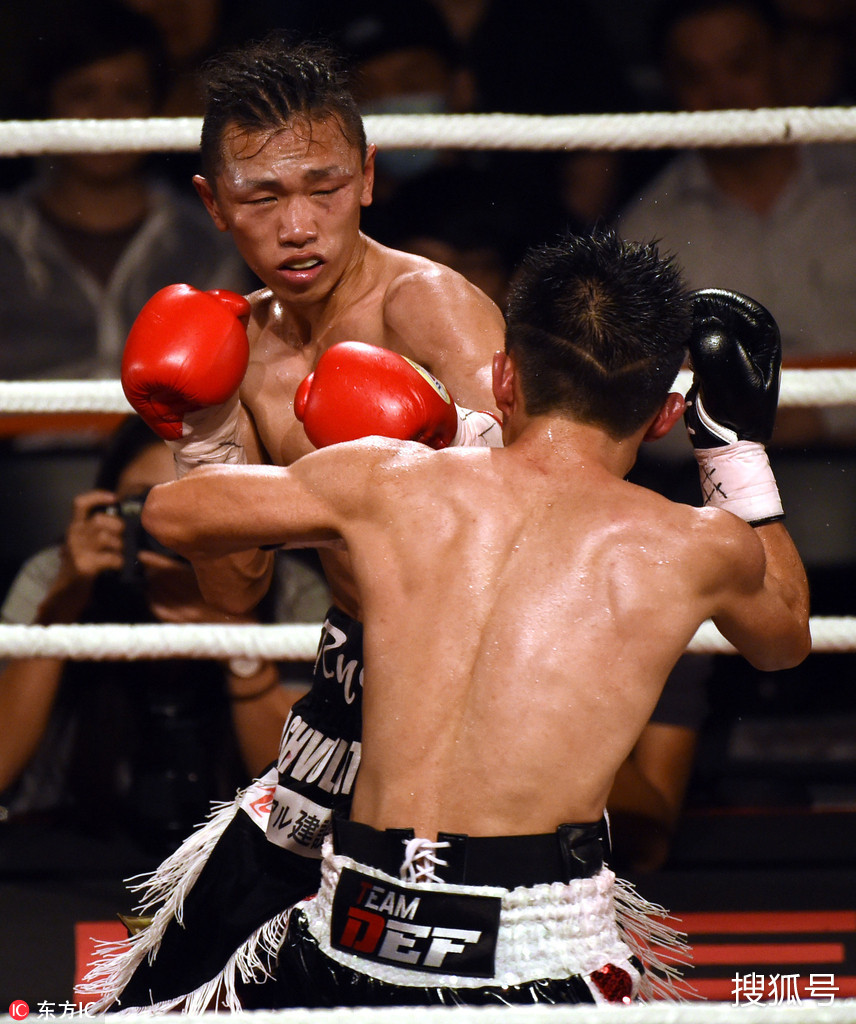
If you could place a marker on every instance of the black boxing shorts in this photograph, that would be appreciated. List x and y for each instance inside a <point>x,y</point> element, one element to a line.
<point>505,920</point>
<point>225,894</point>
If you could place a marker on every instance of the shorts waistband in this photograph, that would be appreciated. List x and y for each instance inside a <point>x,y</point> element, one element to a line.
<point>572,851</point>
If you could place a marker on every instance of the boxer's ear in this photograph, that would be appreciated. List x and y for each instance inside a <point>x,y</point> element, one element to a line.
<point>209,199</point>
<point>671,411</point>
<point>367,188</point>
<point>503,382</point>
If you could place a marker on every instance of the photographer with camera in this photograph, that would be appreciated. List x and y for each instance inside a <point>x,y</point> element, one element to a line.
<point>140,747</point>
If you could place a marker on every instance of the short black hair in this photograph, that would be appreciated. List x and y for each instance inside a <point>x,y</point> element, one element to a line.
<point>264,85</point>
<point>598,327</point>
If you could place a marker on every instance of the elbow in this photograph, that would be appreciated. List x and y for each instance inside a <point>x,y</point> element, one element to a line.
<point>786,652</point>
<point>159,519</point>
<point>801,649</point>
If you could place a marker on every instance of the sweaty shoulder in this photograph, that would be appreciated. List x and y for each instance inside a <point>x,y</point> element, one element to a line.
<point>436,316</point>
<point>420,286</point>
<point>430,292</point>
<point>342,469</point>
<point>727,549</point>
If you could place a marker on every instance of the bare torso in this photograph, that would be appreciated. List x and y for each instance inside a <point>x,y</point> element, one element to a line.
<point>517,639</point>
<point>523,607</point>
<point>396,301</point>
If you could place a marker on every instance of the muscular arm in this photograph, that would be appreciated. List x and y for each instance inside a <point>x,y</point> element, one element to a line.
<point>238,581</point>
<point>315,502</point>
<point>736,353</point>
<point>450,327</point>
<point>183,364</point>
<point>215,511</point>
<point>769,622</point>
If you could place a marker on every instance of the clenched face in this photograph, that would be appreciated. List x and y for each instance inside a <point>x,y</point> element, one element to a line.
<point>292,202</point>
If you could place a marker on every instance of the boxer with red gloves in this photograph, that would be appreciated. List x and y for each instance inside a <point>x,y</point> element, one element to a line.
<point>357,390</point>
<point>182,368</point>
<point>736,356</point>
<point>286,171</point>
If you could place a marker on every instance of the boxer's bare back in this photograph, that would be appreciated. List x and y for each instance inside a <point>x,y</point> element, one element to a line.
<point>523,607</point>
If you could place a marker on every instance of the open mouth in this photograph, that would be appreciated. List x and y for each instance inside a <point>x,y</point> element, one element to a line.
<point>303,264</point>
<point>300,271</point>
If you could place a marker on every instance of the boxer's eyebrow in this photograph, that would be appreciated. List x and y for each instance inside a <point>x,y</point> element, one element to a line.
<point>310,175</point>
<point>319,173</point>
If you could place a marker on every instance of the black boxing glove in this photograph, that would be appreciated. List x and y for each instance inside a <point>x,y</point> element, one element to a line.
<point>736,357</point>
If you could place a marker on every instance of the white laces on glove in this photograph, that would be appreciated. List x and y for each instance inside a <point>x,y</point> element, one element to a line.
<point>420,860</point>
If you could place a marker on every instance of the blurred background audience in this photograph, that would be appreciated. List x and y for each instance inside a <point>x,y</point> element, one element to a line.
<point>819,52</point>
<point>777,222</point>
<point>105,766</point>
<point>88,238</point>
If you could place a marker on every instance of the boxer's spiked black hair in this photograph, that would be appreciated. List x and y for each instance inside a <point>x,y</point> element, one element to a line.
<point>265,85</point>
<point>598,327</point>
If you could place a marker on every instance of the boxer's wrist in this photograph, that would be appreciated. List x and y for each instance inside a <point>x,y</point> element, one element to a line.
<point>477,429</point>
<point>738,478</point>
<point>210,438</point>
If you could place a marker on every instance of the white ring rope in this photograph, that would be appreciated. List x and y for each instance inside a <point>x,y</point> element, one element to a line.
<point>657,130</point>
<point>113,642</point>
<point>800,388</point>
<point>20,396</point>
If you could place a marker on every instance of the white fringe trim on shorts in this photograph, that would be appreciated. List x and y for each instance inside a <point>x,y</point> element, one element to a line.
<point>547,931</point>
<point>166,888</point>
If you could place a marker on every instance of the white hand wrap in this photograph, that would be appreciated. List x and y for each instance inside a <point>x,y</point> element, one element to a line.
<point>477,429</point>
<point>738,478</point>
<point>210,438</point>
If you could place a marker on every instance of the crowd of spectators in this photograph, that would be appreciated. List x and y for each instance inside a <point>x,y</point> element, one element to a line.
<point>481,208</point>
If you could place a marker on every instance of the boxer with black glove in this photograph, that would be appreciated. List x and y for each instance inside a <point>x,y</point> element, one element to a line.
<point>736,356</point>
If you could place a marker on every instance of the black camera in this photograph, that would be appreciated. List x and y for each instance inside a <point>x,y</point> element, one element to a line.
<point>136,538</point>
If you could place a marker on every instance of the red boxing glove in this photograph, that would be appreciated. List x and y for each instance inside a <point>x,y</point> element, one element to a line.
<point>187,351</point>
<point>358,390</point>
